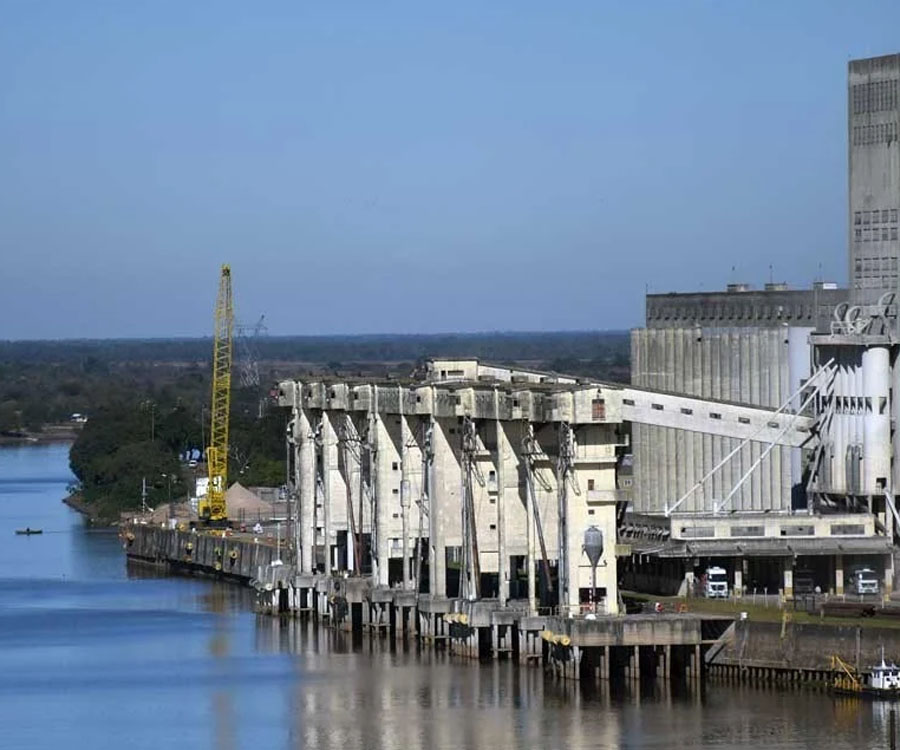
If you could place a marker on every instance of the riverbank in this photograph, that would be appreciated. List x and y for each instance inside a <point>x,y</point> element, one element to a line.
<point>77,503</point>
<point>51,433</point>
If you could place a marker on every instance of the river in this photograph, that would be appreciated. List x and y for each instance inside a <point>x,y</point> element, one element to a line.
<point>95,656</point>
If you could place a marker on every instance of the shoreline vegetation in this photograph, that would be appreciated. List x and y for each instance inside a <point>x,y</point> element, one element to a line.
<point>137,409</point>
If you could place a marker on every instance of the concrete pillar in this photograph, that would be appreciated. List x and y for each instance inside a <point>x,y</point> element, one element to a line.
<point>637,664</point>
<point>352,474</point>
<point>667,665</point>
<point>788,577</point>
<point>738,576</point>
<point>888,574</point>
<point>504,454</point>
<point>531,540</point>
<point>306,483</point>
<point>436,507</point>
<point>698,664</point>
<point>382,498</point>
<point>604,669</point>
<point>405,469</point>
<point>329,465</point>
<point>839,575</point>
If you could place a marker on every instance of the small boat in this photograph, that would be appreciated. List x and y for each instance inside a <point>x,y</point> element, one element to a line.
<point>879,681</point>
<point>28,531</point>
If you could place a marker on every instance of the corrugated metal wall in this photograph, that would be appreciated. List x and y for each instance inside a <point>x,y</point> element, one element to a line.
<point>749,365</point>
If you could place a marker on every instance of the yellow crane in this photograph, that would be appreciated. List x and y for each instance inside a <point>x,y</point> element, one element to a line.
<point>212,507</point>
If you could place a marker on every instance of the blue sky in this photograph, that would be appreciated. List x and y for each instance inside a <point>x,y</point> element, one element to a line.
<point>412,166</point>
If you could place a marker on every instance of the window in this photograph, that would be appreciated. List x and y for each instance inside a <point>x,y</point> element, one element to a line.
<point>714,415</point>
<point>657,407</point>
<point>685,410</point>
<point>744,420</point>
<point>884,215</point>
<point>867,217</point>
<point>893,216</point>
<point>857,235</point>
<point>590,484</point>
<point>884,233</point>
<point>857,217</point>
<point>394,465</point>
<point>628,401</point>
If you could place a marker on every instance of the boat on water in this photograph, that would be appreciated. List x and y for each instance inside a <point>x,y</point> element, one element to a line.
<point>879,681</point>
<point>28,531</point>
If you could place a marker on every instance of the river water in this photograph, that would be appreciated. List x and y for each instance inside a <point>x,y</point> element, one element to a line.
<point>95,656</point>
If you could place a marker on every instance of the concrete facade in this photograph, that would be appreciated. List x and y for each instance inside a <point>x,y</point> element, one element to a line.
<point>758,366</point>
<point>873,118</point>
<point>479,463</point>
<point>740,306</point>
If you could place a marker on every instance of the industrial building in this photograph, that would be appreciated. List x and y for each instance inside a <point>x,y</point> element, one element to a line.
<point>758,435</point>
<point>760,347</point>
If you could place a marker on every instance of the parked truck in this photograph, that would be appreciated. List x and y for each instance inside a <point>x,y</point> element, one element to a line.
<point>716,583</point>
<point>864,581</point>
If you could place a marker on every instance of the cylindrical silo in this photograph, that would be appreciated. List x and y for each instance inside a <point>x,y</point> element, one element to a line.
<point>876,411</point>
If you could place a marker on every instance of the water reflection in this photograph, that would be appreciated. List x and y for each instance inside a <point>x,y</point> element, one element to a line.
<point>383,695</point>
<point>107,655</point>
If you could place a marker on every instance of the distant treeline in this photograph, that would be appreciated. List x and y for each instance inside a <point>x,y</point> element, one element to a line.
<point>146,399</point>
<point>610,347</point>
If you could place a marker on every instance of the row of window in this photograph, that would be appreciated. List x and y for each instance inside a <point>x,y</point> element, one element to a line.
<point>879,282</point>
<point>883,263</point>
<point>719,312</point>
<point>878,216</point>
<point>877,96</point>
<point>874,235</point>
<point>866,135</point>
<point>887,280</point>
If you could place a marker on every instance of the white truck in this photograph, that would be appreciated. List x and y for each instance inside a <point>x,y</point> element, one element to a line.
<point>716,583</point>
<point>864,581</point>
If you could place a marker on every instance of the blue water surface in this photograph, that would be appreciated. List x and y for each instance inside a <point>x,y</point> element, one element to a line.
<point>94,655</point>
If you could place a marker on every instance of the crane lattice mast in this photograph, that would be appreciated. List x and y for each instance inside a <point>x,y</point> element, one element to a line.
<point>217,452</point>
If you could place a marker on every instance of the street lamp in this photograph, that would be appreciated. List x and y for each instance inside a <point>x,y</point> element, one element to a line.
<point>170,478</point>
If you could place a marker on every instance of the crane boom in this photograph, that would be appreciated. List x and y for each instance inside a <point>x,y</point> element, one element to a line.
<point>213,509</point>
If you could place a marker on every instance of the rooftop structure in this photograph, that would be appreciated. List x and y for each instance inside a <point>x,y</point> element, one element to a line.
<point>741,306</point>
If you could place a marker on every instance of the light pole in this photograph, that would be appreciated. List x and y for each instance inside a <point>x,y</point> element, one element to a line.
<point>170,478</point>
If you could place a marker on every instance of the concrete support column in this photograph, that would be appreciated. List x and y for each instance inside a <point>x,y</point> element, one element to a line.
<point>504,453</point>
<point>306,484</point>
<point>382,499</point>
<point>604,668</point>
<point>888,574</point>
<point>667,666</point>
<point>436,509</point>
<point>352,474</point>
<point>531,541</point>
<point>329,465</point>
<point>738,576</point>
<point>636,674</point>
<point>405,468</point>
<point>788,567</point>
<point>839,575</point>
